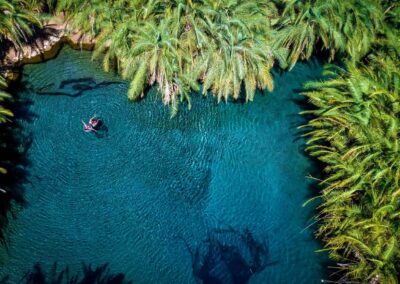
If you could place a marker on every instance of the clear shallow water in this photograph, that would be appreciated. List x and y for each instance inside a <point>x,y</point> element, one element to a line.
<point>214,193</point>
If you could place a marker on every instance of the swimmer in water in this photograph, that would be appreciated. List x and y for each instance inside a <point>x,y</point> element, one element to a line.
<point>94,121</point>
<point>88,127</point>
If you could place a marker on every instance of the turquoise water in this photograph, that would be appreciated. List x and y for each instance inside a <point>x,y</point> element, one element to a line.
<point>213,195</point>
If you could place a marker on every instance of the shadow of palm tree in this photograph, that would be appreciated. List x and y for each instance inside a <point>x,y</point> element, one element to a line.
<point>88,275</point>
<point>228,256</point>
<point>77,87</point>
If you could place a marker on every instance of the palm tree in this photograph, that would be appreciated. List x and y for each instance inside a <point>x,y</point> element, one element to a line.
<point>355,132</point>
<point>224,44</point>
<point>16,21</point>
<point>345,27</point>
<point>239,53</point>
<point>5,114</point>
<point>155,58</point>
<point>42,7</point>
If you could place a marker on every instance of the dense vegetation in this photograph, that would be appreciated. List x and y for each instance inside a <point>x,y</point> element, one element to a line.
<point>5,114</point>
<point>355,133</point>
<point>227,48</point>
<point>16,25</point>
<point>225,45</point>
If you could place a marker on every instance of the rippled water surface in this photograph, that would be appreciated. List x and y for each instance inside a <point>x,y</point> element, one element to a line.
<point>214,194</point>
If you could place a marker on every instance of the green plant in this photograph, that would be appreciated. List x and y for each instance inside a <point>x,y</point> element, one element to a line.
<point>5,114</point>
<point>226,45</point>
<point>348,28</point>
<point>16,21</point>
<point>355,133</point>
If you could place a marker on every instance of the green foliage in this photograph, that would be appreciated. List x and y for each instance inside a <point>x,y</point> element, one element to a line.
<point>175,45</point>
<point>227,45</point>
<point>16,21</point>
<point>349,27</point>
<point>355,132</point>
<point>5,114</point>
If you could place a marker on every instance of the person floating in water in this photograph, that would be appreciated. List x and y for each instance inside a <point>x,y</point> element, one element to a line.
<point>88,127</point>
<point>94,122</point>
<point>93,125</point>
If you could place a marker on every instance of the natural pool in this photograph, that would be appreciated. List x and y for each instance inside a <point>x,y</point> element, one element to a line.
<point>213,194</point>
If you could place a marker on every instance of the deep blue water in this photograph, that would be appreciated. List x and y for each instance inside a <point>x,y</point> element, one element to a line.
<point>214,194</point>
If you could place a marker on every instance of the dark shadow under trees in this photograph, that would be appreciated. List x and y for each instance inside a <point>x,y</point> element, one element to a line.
<point>88,275</point>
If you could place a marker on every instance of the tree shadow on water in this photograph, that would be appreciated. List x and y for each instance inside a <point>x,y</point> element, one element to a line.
<point>88,275</point>
<point>228,256</point>
<point>74,87</point>
<point>14,145</point>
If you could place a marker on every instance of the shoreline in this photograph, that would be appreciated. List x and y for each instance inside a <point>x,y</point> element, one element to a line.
<point>54,34</point>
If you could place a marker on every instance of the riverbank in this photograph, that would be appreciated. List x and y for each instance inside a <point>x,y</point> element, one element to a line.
<point>45,45</point>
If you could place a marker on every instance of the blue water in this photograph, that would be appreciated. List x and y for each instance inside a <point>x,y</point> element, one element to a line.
<point>214,194</point>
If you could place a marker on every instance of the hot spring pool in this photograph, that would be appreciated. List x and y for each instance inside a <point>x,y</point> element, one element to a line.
<point>214,194</point>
